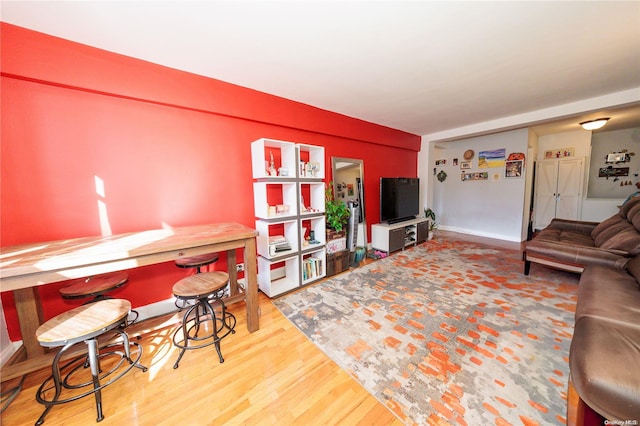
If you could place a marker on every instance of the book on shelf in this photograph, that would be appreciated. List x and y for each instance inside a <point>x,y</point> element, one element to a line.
<point>278,243</point>
<point>312,267</point>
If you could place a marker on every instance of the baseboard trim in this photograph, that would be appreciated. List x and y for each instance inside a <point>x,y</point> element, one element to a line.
<point>480,234</point>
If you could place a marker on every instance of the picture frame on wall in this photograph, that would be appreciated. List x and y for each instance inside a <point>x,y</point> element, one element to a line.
<point>513,169</point>
<point>465,165</point>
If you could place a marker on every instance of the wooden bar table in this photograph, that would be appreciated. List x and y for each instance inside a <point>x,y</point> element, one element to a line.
<point>24,267</point>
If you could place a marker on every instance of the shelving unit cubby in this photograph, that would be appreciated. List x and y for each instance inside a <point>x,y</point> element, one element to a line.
<point>288,193</point>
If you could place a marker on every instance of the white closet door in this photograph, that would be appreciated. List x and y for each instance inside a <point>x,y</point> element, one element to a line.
<point>570,177</point>
<point>558,190</point>
<point>545,199</point>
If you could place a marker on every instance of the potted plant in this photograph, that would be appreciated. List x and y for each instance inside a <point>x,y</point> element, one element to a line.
<point>336,213</point>
<point>431,215</point>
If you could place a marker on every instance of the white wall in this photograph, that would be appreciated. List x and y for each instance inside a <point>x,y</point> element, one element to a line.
<point>604,143</point>
<point>493,208</point>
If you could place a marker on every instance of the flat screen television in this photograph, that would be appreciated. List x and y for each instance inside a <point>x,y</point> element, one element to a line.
<point>399,199</point>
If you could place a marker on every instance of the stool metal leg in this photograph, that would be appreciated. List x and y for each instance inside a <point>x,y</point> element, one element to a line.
<point>57,382</point>
<point>92,345</point>
<point>216,340</point>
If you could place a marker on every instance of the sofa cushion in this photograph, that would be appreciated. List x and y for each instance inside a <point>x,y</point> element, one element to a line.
<point>608,293</point>
<point>608,228</point>
<point>565,237</point>
<point>603,359</point>
<point>627,240</point>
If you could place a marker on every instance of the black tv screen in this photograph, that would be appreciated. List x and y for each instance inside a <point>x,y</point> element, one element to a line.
<point>399,199</point>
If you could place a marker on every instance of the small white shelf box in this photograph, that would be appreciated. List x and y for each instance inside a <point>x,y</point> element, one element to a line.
<point>318,226</point>
<point>314,265</point>
<point>274,282</point>
<point>284,154</point>
<point>314,155</point>
<point>262,202</point>
<point>312,196</point>
<point>266,228</point>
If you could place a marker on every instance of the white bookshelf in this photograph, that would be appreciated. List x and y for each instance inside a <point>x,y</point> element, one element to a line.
<point>289,202</point>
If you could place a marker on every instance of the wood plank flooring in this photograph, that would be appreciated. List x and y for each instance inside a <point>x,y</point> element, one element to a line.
<point>273,376</point>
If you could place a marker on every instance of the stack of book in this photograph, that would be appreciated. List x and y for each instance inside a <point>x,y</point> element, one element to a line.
<point>278,244</point>
<point>312,267</point>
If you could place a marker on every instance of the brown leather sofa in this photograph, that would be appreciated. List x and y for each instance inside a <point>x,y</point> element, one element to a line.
<point>571,245</point>
<point>604,358</point>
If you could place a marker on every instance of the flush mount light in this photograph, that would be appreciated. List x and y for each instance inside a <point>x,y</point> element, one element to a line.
<point>594,124</point>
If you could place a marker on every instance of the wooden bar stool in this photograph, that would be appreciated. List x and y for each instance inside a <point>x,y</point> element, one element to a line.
<point>194,262</point>
<point>197,261</point>
<point>84,324</point>
<point>202,288</point>
<point>96,287</point>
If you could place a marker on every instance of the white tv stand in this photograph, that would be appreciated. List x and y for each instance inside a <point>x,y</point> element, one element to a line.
<point>397,236</point>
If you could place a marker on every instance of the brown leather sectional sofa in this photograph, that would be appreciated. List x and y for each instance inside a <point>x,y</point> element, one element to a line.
<point>605,350</point>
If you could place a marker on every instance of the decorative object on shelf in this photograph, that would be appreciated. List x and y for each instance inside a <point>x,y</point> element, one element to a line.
<point>468,155</point>
<point>272,168</point>
<point>442,176</point>
<point>336,212</point>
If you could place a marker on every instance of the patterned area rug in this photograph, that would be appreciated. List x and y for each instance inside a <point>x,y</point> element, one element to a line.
<point>449,332</point>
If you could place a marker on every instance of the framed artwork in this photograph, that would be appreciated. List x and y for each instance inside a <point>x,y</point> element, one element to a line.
<point>474,176</point>
<point>465,165</point>
<point>350,192</point>
<point>491,158</point>
<point>513,169</point>
<point>455,161</point>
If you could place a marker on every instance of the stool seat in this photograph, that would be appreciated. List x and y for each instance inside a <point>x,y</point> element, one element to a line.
<point>83,322</point>
<point>94,286</point>
<point>197,261</point>
<point>105,364</point>
<point>201,326</point>
<point>199,285</point>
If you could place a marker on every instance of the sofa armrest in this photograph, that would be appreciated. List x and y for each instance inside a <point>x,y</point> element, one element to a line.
<point>573,225</point>
<point>571,256</point>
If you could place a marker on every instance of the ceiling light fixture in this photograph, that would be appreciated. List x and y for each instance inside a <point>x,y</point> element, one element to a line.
<point>594,124</point>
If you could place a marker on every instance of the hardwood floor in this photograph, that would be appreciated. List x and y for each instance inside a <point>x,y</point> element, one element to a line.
<point>273,376</point>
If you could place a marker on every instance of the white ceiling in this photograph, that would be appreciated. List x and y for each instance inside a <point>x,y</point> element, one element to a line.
<point>423,67</point>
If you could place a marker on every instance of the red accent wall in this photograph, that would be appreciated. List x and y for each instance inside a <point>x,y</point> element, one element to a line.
<point>169,147</point>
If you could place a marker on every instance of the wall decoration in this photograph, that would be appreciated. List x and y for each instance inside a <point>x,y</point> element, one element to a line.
<point>468,154</point>
<point>516,156</point>
<point>623,156</point>
<point>464,165</point>
<point>611,171</point>
<point>442,162</point>
<point>455,161</point>
<point>559,153</point>
<point>513,169</point>
<point>474,176</point>
<point>442,176</point>
<point>491,158</point>
<point>350,191</point>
